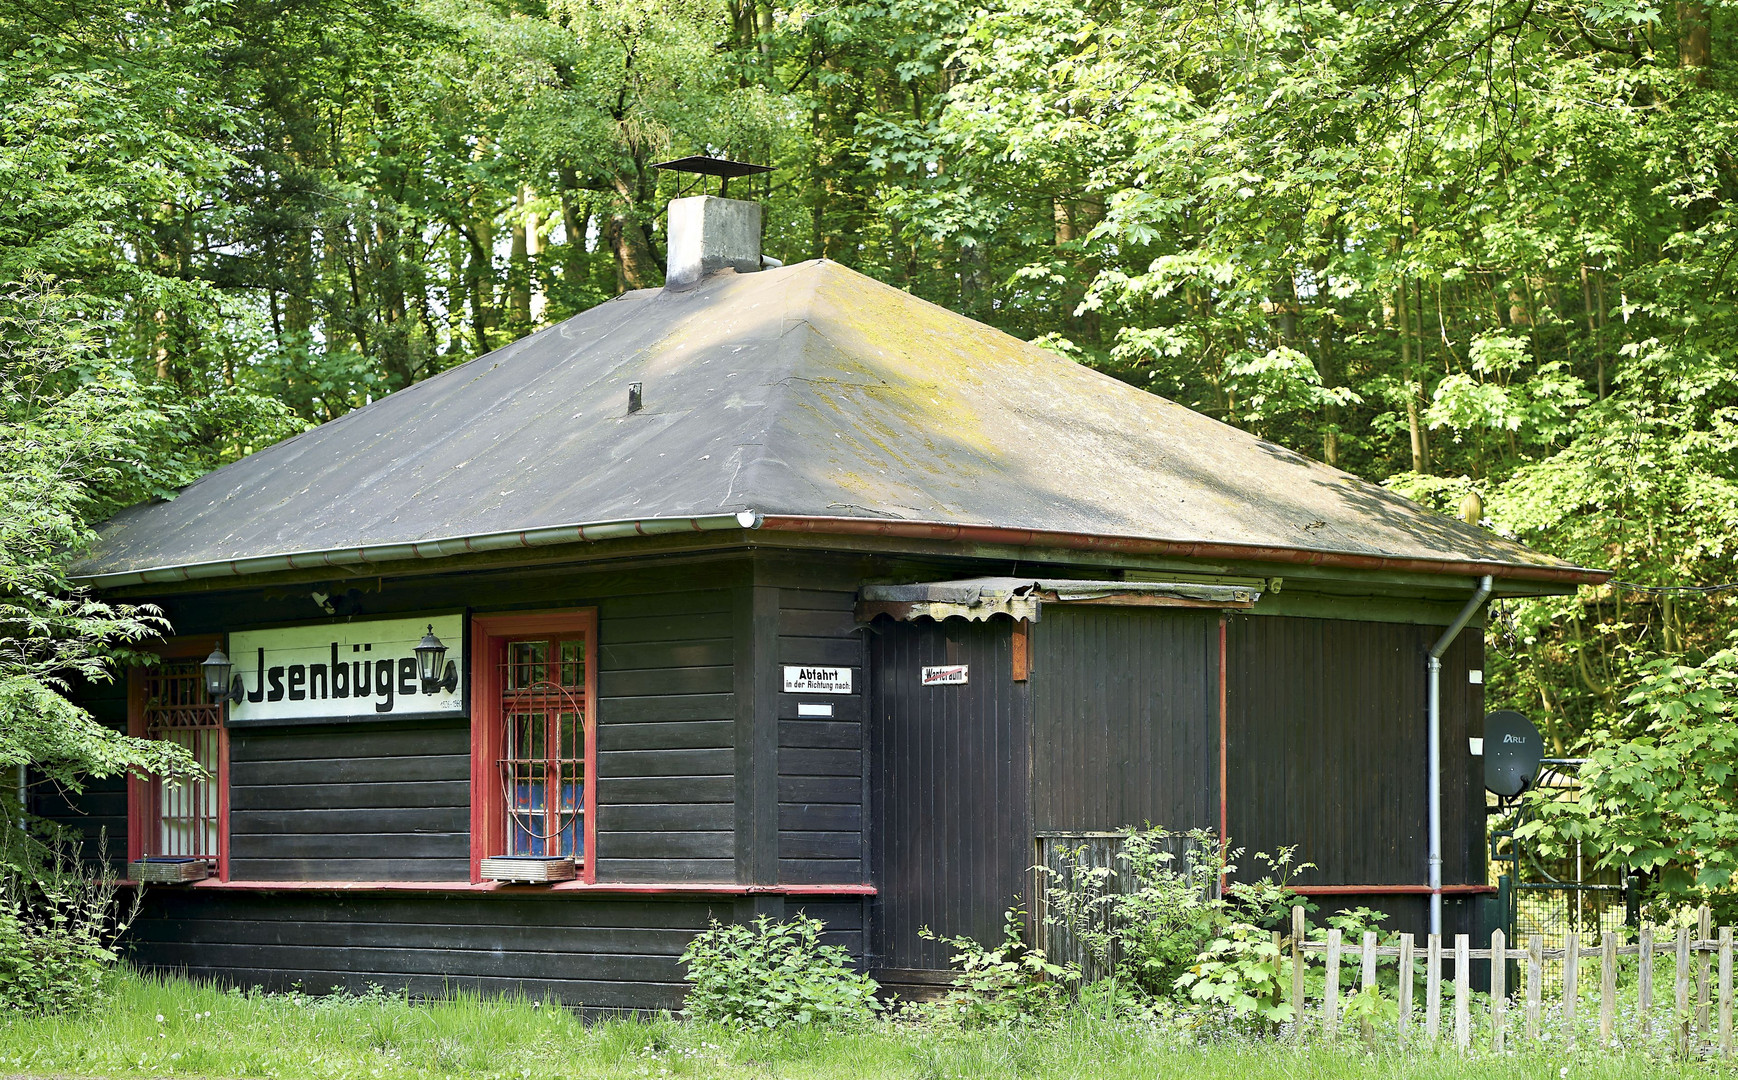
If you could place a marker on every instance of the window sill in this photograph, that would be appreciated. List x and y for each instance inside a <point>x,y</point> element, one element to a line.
<point>618,888</point>
<point>1389,890</point>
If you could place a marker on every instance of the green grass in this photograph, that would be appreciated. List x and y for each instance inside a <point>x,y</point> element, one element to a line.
<point>209,1032</point>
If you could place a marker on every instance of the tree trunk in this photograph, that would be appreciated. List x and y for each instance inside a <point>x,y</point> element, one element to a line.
<point>1695,40</point>
<point>635,266</point>
<point>519,265</point>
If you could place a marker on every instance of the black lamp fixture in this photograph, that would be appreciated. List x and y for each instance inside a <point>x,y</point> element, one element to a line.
<point>219,686</point>
<point>430,652</point>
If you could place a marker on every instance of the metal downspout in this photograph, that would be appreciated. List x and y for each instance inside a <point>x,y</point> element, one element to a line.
<point>1435,736</point>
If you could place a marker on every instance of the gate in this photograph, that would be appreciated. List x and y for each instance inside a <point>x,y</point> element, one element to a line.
<point>1555,897</point>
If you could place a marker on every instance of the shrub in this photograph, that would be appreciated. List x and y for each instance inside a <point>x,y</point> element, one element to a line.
<point>1159,923</point>
<point>772,974</point>
<point>1010,983</point>
<point>59,924</point>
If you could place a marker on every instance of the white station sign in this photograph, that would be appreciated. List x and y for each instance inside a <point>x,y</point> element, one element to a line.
<point>818,680</point>
<point>364,670</point>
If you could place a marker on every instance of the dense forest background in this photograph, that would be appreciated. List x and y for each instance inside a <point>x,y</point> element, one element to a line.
<point>1481,252</point>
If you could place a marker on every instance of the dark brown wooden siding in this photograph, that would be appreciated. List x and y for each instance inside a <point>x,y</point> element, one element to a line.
<point>821,762</point>
<point>351,802</point>
<point>1125,719</point>
<point>615,953</point>
<point>951,833</point>
<point>1328,751</point>
<point>368,802</point>
<point>666,738</point>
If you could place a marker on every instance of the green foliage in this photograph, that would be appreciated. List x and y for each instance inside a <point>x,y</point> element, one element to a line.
<point>161,1026</point>
<point>79,436</point>
<point>1244,970</point>
<point>1157,917</point>
<point>1010,983</point>
<point>774,973</point>
<point>59,925</point>
<point>1664,800</point>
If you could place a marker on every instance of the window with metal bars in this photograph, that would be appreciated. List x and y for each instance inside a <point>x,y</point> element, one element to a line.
<point>184,817</point>
<point>542,761</point>
<point>533,737</point>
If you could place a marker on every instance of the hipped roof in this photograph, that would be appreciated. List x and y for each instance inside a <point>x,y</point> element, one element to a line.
<point>808,396</point>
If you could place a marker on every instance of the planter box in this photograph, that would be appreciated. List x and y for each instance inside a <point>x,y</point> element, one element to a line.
<point>531,869</point>
<point>167,870</point>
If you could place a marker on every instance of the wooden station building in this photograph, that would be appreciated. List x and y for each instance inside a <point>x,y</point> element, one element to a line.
<point>773,589</point>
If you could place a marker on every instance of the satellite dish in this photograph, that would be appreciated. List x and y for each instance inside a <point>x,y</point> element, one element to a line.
<point>1512,752</point>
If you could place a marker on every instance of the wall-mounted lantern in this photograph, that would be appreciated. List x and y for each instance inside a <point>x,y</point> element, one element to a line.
<point>218,684</point>
<point>429,654</point>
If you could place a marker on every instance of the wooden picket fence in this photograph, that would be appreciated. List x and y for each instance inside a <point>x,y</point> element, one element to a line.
<point>1691,953</point>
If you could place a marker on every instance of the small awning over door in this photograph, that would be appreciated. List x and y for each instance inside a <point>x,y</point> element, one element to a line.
<point>1024,598</point>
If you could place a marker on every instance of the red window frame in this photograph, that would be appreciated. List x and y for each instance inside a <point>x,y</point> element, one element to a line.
<point>144,793</point>
<point>490,636</point>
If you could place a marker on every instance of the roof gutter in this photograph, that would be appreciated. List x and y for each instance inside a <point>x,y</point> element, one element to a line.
<point>993,534</point>
<point>427,549</point>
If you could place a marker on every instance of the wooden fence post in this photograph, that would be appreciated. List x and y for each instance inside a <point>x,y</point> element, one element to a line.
<point>1433,987</point>
<point>1571,975</point>
<point>1644,980</point>
<point>1368,982</point>
<point>1405,986</point>
<point>1681,984</point>
<point>1725,991</point>
<point>1462,993</point>
<point>1331,994</point>
<point>1607,986</point>
<point>1297,972</point>
<point>1535,983</point>
<point>1499,988</point>
<point>1704,931</point>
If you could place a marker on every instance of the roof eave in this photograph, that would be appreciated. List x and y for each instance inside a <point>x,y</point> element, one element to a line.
<point>1561,574</point>
<point>424,549</point>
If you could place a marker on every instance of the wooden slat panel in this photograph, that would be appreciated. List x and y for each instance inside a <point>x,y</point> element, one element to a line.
<point>820,871</point>
<point>640,869</point>
<point>346,770</point>
<point>673,844</point>
<point>684,626</point>
<point>690,735</point>
<point>341,869</point>
<point>821,817</point>
<point>818,789</point>
<point>658,709</point>
<point>627,763</point>
<point>833,734</point>
<point>646,817</point>
<point>664,654</point>
<point>651,789</point>
<point>1334,706</point>
<point>427,793</point>
<point>950,830</point>
<point>664,681</point>
<point>1124,719</point>
<point>796,622</point>
<point>820,845</point>
<point>326,820</point>
<point>801,761</point>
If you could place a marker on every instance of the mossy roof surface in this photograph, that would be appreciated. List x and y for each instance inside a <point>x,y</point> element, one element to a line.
<point>808,390</point>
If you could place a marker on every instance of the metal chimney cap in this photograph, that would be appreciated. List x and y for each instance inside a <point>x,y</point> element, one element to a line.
<point>711,166</point>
